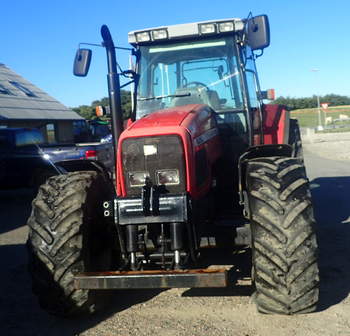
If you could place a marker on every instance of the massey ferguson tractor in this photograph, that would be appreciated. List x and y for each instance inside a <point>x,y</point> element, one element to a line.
<point>203,169</point>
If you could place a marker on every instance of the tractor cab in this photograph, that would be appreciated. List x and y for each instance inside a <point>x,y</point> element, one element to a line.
<point>209,63</point>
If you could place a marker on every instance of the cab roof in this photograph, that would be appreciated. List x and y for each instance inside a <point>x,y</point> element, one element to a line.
<point>184,31</point>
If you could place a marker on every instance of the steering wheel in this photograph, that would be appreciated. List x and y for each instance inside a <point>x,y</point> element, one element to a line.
<point>196,84</point>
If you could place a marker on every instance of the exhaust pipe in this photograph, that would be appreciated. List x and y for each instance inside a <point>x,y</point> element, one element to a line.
<point>113,85</point>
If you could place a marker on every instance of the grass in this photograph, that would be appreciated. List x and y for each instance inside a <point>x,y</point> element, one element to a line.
<point>309,117</point>
<point>335,130</point>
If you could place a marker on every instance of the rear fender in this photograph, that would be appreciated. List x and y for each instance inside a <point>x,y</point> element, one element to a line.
<point>275,124</point>
<point>252,153</point>
<point>41,174</point>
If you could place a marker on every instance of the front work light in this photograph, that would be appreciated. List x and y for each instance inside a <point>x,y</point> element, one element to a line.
<point>143,37</point>
<point>160,34</point>
<point>207,28</point>
<point>226,27</point>
<point>168,176</point>
<point>138,179</point>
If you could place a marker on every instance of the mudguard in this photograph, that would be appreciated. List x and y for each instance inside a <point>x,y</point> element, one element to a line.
<point>81,165</point>
<point>275,124</point>
<point>255,152</point>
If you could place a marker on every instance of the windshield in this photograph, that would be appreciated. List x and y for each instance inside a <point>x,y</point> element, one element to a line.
<point>192,72</point>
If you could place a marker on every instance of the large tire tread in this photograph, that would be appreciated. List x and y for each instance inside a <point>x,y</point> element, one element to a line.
<point>58,245</point>
<point>295,139</point>
<point>283,236</point>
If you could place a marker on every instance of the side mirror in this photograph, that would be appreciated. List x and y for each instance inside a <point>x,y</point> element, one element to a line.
<point>258,32</point>
<point>82,62</point>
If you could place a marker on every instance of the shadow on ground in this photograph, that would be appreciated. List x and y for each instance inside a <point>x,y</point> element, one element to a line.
<point>15,207</point>
<point>20,313</point>
<point>331,196</point>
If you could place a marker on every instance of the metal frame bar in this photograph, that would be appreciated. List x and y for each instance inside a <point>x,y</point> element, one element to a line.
<point>152,279</point>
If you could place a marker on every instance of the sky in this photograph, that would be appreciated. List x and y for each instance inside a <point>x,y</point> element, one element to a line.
<point>39,39</point>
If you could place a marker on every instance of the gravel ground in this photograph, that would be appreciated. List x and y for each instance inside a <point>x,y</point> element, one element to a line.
<point>335,146</point>
<point>202,311</point>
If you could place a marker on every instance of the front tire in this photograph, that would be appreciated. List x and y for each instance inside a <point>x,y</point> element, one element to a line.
<point>283,236</point>
<point>67,235</point>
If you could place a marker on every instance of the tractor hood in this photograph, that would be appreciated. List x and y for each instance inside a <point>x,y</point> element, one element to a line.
<point>169,139</point>
<point>162,118</point>
<point>189,119</point>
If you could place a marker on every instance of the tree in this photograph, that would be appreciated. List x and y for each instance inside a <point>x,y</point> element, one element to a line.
<point>85,111</point>
<point>88,111</point>
<point>126,103</point>
<point>311,102</point>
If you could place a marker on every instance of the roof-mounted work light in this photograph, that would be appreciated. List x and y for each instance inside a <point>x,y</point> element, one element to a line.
<point>226,27</point>
<point>207,28</point>
<point>192,30</point>
<point>160,34</point>
<point>143,36</point>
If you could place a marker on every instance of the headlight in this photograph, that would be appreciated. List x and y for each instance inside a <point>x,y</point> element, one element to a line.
<point>138,179</point>
<point>168,176</point>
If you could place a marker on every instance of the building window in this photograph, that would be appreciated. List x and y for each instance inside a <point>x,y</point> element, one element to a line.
<point>25,90</point>
<point>5,90</point>
<point>51,133</point>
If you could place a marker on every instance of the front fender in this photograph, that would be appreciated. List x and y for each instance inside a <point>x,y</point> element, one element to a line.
<point>256,152</point>
<point>82,165</point>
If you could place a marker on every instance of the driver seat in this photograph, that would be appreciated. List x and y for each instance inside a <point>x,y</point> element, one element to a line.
<point>214,100</point>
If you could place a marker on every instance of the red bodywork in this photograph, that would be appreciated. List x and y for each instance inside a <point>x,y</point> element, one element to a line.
<point>275,124</point>
<point>194,124</point>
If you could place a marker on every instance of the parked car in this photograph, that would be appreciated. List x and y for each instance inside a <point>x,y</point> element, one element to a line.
<point>91,130</point>
<point>26,160</point>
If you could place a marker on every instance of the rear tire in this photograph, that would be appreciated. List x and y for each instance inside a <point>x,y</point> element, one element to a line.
<point>283,236</point>
<point>295,139</point>
<point>68,235</point>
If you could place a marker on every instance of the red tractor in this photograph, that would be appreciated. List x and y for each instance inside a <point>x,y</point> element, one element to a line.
<point>203,169</point>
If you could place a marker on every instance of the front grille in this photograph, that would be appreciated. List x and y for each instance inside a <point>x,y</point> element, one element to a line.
<point>169,155</point>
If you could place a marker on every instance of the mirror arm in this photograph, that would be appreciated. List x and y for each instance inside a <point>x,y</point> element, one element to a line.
<point>126,84</point>
<point>134,75</point>
<point>89,44</point>
<point>102,45</point>
<point>136,53</point>
<point>129,72</point>
<point>259,55</point>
